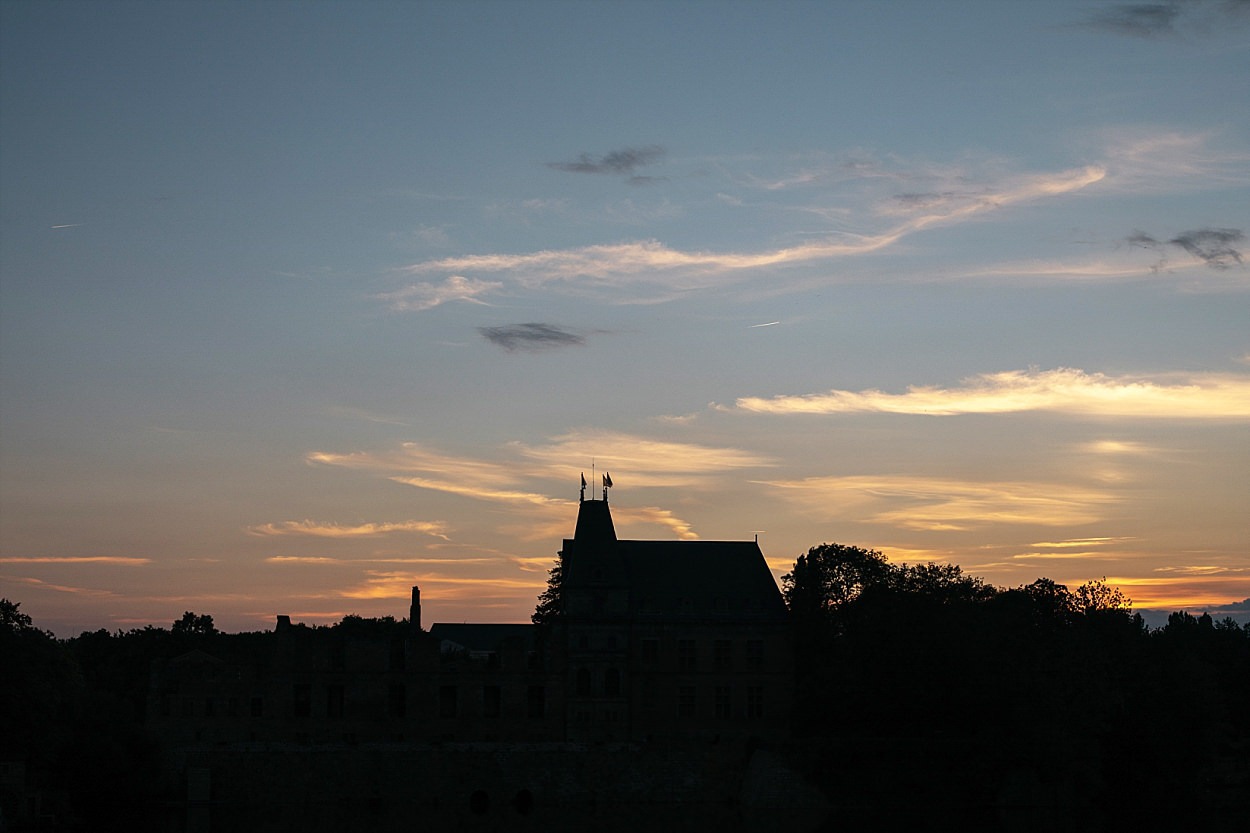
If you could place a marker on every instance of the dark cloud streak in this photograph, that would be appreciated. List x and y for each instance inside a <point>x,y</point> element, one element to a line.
<point>622,161</point>
<point>1139,20</point>
<point>1212,245</point>
<point>531,337</point>
<point>1189,18</point>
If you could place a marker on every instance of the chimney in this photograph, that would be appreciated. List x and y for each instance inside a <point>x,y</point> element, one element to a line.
<point>414,612</point>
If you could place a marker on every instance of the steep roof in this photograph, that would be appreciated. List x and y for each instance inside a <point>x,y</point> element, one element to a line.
<point>594,524</point>
<point>479,639</point>
<point>700,578</point>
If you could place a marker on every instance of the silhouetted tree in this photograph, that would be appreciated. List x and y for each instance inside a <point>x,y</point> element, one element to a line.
<point>549,606</point>
<point>1096,596</point>
<point>831,576</point>
<point>193,625</point>
<point>938,582</point>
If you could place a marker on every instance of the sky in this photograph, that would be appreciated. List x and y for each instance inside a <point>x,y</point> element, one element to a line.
<point>304,303</point>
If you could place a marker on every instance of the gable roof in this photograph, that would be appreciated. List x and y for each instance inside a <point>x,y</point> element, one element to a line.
<point>700,578</point>
<point>480,639</point>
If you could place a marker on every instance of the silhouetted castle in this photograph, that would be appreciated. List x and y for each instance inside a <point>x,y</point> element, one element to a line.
<point>653,640</point>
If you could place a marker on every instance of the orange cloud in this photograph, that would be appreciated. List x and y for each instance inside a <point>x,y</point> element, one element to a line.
<point>944,504</point>
<point>331,530</point>
<point>75,559</point>
<point>1065,390</point>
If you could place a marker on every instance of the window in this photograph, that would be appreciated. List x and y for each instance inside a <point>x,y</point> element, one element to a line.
<point>612,683</point>
<point>301,705</point>
<point>755,702</point>
<point>686,654</point>
<point>651,652</point>
<point>447,701</point>
<point>334,701</point>
<point>722,658</point>
<point>536,702</point>
<point>210,707</point>
<point>755,653</point>
<point>685,701</point>
<point>583,682</point>
<point>397,700</point>
<point>258,707</point>
<point>491,699</point>
<point>723,702</point>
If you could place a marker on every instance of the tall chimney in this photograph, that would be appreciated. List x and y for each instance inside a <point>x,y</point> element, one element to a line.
<point>414,612</point>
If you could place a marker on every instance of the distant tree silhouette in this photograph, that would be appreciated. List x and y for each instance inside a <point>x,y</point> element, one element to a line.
<point>193,625</point>
<point>938,582</point>
<point>829,577</point>
<point>1097,596</point>
<point>549,606</point>
<point>12,620</point>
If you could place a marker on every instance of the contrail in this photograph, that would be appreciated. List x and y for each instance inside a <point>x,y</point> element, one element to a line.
<point>769,324</point>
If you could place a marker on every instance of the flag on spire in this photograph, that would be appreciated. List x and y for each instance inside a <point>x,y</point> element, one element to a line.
<point>607,480</point>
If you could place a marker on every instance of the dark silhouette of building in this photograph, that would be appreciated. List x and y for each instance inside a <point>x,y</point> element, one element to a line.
<point>654,640</point>
<point>669,638</point>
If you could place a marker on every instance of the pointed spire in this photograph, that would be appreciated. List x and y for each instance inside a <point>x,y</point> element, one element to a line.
<point>583,497</point>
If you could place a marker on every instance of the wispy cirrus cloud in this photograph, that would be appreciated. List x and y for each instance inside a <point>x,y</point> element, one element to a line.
<point>321,559</point>
<point>655,263</point>
<point>125,561</point>
<point>937,504</point>
<point>40,584</point>
<point>521,478</point>
<point>319,529</point>
<point>1181,592</point>
<point>1063,390</point>
<point>423,296</point>
<point>1147,160</point>
<point>531,337</point>
<point>642,460</point>
<point>381,584</point>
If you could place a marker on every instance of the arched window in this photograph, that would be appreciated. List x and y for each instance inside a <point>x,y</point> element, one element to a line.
<point>612,682</point>
<point>583,682</point>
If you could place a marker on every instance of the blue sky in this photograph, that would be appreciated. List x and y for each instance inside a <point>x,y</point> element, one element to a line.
<point>305,303</point>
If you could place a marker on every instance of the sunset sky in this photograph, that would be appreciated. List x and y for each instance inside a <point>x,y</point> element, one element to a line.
<point>306,303</point>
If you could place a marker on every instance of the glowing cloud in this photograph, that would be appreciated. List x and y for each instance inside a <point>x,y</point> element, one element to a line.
<point>398,585</point>
<point>75,559</point>
<point>329,530</point>
<point>940,504</point>
<point>423,296</point>
<point>1064,390</point>
<point>645,461</point>
<point>642,260</point>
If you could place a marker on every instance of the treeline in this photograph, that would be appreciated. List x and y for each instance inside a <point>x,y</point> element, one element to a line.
<point>929,693</point>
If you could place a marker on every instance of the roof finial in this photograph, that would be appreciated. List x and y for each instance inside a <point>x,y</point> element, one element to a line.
<point>607,484</point>
<point>583,495</point>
